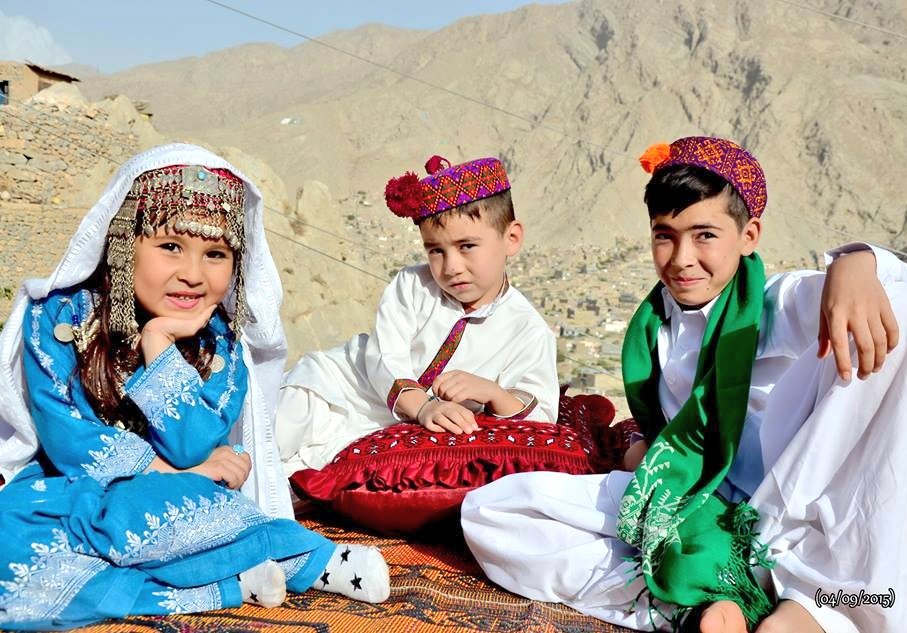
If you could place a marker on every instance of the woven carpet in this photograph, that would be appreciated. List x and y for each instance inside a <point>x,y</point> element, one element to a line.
<point>436,587</point>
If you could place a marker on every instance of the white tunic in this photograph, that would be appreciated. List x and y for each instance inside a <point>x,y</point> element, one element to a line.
<point>334,397</point>
<point>568,550</point>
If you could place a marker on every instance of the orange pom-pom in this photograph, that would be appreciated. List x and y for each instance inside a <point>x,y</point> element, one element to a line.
<point>655,156</point>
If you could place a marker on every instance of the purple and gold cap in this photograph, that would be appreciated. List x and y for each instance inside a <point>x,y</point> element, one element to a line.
<point>719,156</point>
<point>445,187</point>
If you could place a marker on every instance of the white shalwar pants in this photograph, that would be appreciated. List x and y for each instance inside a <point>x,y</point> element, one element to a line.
<point>833,508</point>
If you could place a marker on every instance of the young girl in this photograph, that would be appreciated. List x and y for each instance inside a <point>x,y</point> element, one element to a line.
<point>137,393</point>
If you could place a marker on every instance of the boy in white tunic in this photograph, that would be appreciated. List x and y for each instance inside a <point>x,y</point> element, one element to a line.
<point>452,337</point>
<point>721,373</point>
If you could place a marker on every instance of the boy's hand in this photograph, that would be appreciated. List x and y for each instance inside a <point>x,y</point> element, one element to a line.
<point>634,455</point>
<point>459,386</point>
<point>440,415</point>
<point>854,301</point>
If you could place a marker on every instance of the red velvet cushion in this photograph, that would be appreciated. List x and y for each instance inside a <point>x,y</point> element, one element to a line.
<point>402,478</point>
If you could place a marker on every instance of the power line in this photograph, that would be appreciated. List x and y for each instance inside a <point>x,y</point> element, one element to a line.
<point>87,128</point>
<point>835,16</point>
<point>51,129</point>
<point>336,259</point>
<point>52,132</point>
<point>531,120</point>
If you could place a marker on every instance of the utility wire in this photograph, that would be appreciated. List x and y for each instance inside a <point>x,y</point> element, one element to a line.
<point>835,16</point>
<point>532,120</point>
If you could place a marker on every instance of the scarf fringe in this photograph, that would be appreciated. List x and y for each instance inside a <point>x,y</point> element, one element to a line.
<point>747,553</point>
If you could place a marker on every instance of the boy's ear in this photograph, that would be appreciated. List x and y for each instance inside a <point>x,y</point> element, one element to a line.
<point>513,235</point>
<point>751,233</point>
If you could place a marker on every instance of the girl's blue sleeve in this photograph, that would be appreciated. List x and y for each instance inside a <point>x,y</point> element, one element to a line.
<point>188,417</point>
<point>72,436</point>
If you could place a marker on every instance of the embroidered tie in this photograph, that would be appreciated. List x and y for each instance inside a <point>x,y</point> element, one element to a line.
<point>435,367</point>
<point>439,362</point>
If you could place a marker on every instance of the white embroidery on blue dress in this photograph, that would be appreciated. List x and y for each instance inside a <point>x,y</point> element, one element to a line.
<point>39,486</point>
<point>40,591</point>
<point>231,376</point>
<point>192,600</point>
<point>46,361</point>
<point>167,382</point>
<point>123,454</point>
<point>194,527</point>
<point>291,566</point>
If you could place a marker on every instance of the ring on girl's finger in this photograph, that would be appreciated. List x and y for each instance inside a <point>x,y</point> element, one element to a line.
<point>238,449</point>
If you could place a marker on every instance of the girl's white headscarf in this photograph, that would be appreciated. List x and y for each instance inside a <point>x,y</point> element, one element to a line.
<point>264,344</point>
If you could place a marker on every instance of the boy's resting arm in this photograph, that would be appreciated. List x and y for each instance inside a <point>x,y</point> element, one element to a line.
<point>387,353</point>
<point>855,302</point>
<point>188,417</point>
<point>531,375</point>
<point>75,440</point>
<point>794,304</point>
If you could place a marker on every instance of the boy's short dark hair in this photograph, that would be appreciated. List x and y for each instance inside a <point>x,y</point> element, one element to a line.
<point>497,211</point>
<point>674,188</point>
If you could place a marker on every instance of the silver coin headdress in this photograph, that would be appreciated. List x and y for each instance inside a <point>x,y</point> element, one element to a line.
<point>185,199</point>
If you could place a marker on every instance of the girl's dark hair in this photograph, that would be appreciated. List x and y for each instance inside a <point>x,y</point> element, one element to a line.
<point>108,359</point>
<point>674,188</point>
<point>497,211</point>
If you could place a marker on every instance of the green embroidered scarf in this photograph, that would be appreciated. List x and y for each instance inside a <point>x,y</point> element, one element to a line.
<point>696,547</point>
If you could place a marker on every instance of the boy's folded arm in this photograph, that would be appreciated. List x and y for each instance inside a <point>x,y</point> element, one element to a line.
<point>387,353</point>
<point>531,376</point>
<point>408,404</point>
<point>513,404</point>
<point>635,453</point>
<point>888,267</point>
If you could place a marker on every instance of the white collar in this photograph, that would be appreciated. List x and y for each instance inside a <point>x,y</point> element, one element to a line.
<point>488,309</point>
<point>673,309</point>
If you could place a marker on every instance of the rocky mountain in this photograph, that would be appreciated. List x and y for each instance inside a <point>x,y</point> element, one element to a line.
<point>586,87</point>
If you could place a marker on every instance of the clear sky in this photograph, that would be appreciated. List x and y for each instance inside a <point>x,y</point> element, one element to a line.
<point>111,35</point>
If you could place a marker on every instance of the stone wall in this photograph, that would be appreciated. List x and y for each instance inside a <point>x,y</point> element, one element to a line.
<point>32,241</point>
<point>47,151</point>
<point>56,152</point>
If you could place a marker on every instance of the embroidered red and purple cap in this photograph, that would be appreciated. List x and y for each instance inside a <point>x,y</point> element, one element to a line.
<point>446,187</point>
<point>719,156</point>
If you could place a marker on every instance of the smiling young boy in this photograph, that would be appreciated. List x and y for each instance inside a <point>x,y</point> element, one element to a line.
<point>452,337</point>
<point>729,378</point>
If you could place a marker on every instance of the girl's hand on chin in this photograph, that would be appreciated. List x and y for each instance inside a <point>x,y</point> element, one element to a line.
<point>160,332</point>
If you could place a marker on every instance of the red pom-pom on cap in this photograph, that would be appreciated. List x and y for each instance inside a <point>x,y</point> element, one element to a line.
<point>655,156</point>
<point>435,164</point>
<point>403,195</point>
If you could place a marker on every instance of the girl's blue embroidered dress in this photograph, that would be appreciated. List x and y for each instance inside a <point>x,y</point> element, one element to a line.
<point>85,533</point>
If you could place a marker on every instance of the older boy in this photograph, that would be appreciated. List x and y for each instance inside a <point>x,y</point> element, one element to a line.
<point>702,358</point>
<point>452,337</point>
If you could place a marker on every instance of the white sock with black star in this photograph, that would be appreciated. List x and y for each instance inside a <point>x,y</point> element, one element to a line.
<point>358,572</point>
<point>264,585</point>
